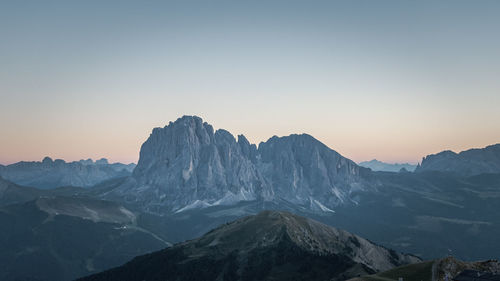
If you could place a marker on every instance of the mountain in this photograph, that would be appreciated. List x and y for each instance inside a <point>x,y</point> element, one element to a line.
<point>51,174</point>
<point>466,163</point>
<point>62,238</point>
<point>376,165</point>
<point>188,165</point>
<point>305,172</point>
<point>268,246</point>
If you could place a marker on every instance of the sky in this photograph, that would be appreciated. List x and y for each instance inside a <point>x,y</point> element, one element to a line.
<point>391,80</point>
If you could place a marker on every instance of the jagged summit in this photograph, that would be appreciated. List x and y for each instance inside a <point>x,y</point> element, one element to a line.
<point>271,245</point>
<point>187,165</point>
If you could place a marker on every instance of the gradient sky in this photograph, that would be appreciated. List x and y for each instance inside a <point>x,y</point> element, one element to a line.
<point>392,80</point>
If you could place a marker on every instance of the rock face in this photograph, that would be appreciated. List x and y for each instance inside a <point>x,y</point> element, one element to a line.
<point>267,246</point>
<point>466,163</point>
<point>376,165</point>
<point>302,170</point>
<point>187,165</point>
<point>51,174</point>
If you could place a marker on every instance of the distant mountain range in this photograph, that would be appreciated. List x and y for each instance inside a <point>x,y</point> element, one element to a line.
<point>466,163</point>
<point>51,174</point>
<point>268,246</point>
<point>376,165</point>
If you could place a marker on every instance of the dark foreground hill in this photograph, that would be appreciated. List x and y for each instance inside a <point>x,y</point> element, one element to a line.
<point>271,245</point>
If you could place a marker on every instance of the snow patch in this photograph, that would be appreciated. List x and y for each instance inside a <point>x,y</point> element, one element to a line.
<point>127,213</point>
<point>186,174</point>
<point>231,198</point>
<point>337,193</point>
<point>323,207</point>
<point>198,204</point>
<point>319,205</point>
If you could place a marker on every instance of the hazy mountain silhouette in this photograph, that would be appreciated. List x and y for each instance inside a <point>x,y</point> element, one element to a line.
<point>57,173</point>
<point>380,166</point>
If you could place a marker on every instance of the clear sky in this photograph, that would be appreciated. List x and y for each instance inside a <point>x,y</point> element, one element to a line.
<point>392,80</point>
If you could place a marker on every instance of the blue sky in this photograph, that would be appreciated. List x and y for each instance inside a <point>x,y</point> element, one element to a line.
<point>392,80</point>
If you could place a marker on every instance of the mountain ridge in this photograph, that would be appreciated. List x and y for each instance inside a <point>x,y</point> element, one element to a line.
<point>376,165</point>
<point>48,173</point>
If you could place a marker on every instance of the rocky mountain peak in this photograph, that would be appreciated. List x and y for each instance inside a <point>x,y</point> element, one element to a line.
<point>304,169</point>
<point>187,165</point>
